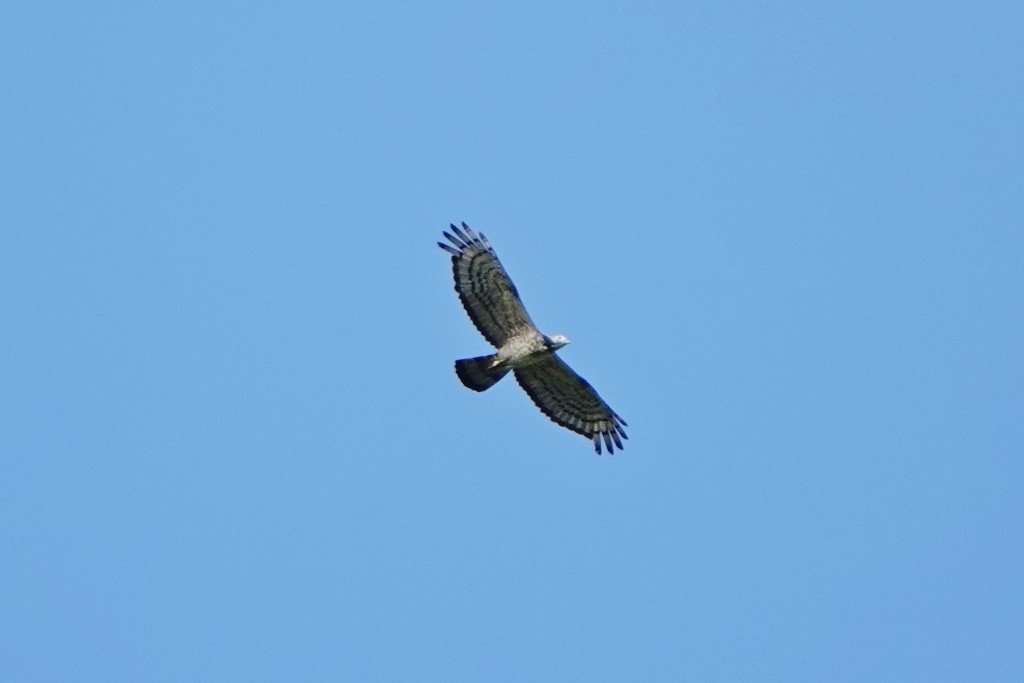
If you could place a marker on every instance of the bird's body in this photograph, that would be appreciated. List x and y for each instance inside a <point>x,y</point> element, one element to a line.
<point>493,304</point>
<point>522,350</point>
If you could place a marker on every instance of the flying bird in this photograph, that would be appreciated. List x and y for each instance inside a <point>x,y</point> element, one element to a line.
<point>493,304</point>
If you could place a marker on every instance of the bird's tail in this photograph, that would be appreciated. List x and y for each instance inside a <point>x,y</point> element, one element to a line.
<point>478,373</point>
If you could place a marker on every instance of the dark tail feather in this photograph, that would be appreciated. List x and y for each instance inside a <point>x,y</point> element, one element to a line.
<point>477,373</point>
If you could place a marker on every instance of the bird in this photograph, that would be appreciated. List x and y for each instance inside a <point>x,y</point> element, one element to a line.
<point>493,304</point>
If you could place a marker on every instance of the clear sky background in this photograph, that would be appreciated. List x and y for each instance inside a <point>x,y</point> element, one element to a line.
<point>786,239</point>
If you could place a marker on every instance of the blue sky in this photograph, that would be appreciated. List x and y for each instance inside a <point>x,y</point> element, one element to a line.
<point>785,238</point>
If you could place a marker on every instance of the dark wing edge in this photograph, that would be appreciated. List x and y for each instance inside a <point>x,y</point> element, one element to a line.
<point>484,287</point>
<point>569,400</point>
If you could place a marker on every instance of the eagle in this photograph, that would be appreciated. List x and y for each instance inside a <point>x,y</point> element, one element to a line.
<point>494,306</point>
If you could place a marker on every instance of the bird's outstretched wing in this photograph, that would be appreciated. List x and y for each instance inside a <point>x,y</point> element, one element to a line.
<point>486,292</point>
<point>570,401</point>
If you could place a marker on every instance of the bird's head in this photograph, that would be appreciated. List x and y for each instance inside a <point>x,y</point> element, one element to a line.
<point>557,341</point>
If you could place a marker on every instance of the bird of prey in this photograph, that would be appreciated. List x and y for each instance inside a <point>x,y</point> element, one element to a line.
<point>493,304</point>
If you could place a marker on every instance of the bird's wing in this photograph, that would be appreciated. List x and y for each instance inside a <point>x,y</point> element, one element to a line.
<point>570,401</point>
<point>487,293</point>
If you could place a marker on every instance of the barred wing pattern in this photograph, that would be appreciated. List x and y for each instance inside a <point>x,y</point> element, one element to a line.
<point>486,292</point>
<point>571,402</point>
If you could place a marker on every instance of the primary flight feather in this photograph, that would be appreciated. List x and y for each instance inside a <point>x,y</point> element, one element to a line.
<point>494,306</point>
